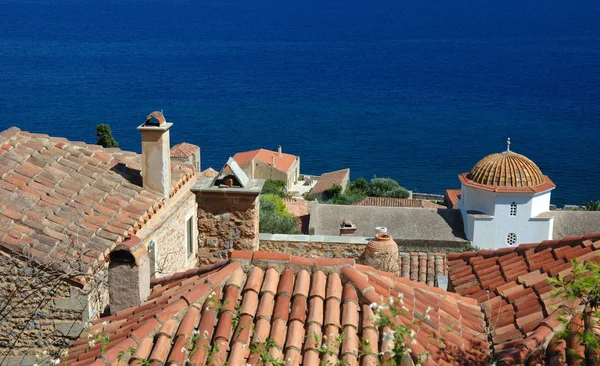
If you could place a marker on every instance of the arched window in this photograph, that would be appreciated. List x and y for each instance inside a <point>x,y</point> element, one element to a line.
<point>513,209</point>
<point>511,239</point>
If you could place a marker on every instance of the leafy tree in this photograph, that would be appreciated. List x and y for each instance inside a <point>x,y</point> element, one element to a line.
<point>591,206</point>
<point>273,218</point>
<point>386,187</point>
<point>105,137</point>
<point>583,284</point>
<point>276,187</point>
<point>359,185</point>
<point>333,192</point>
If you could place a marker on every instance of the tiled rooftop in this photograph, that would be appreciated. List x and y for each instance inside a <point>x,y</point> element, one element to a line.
<point>453,196</point>
<point>422,267</point>
<point>512,286</point>
<point>294,301</point>
<point>296,207</point>
<point>396,202</point>
<point>208,173</point>
<point>183,150</point>
<point>283,162</point>
<point>55,191</point>
<point>327,180</point>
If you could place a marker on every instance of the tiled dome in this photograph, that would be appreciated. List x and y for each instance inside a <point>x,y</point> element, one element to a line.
<point>506,169</point>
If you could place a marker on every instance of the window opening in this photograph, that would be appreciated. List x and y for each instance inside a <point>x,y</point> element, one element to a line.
<point>511,239</point>
<point>513,209</point>
<point>190,237</point>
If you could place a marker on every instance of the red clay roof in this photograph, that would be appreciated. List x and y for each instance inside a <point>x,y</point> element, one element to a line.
<point>56,193</point>
<point>294,301</point>
<point>511,284</point>
<point>453,196</point>
<point>327,180</point>
<point>184,150</point>
<point>296,207</point>
<point>396,202</point>
<point>208,173</point>
<point>283,162</point>
<point>546,185</point>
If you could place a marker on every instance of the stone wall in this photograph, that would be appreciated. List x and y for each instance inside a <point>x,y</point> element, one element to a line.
<point>313,246</point>
<point>343,246</point>
<point>226,222</point>
<point>170,252</point>
<point>39,312</point>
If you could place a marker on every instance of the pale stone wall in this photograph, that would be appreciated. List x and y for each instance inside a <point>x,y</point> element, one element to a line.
<point>225,223</point>
<point>39,312</point>
<point>259,170</point>
<point>168,231</point>
<point>314,246</point>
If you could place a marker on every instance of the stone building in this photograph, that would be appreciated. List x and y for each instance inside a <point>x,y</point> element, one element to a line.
<point>270,165</point>
<point>187,153</point>
<point>64,208</point>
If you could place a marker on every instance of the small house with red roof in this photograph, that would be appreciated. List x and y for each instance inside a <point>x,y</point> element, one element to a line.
<point>270,165</point>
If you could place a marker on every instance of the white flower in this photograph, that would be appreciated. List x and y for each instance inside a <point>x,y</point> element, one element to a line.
<point>414,341</point>
<point>212,294</point>
<point>380,308</point>
<point>56,362</point>
<point>429,308</point>
<point>373,305</point>
<point>388,336</point>
<point>92,343</point>
<point>35,364</point>
<point>104,323</point>
<point>324,346</point>
<point>89,336</point>
<point>381,353</point>
<point>391,300</point>
<point>408,350</point>
<point>45,353</point>
<point>325,337</point>
<point>195,332</point>
<point>64,353</point>
<point>400,295</point>
<point>411,333</point>
<point>205,333</point>
<point>183,350</point>
<point>427,317</point>
<point>206,308</point>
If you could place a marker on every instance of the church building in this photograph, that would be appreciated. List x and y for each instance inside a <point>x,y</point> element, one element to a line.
<point>501,201</point>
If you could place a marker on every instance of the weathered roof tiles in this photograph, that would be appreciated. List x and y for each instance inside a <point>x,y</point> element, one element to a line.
<point>56,194</point>
<point>226,313</point>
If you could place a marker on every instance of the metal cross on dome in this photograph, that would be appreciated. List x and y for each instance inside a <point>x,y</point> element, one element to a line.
<point>508,144</point>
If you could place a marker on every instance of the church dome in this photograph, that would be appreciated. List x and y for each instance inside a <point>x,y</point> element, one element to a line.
<point>506,169</point>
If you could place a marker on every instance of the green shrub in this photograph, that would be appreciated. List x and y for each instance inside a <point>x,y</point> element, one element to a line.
<point>386,187</point>
<point>274,219</point>
<point>333,192</point>
<point>276,187</point>
<point>359,185</point>
<point>105,137</point>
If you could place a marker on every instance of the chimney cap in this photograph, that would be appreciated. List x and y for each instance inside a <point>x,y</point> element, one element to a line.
<point>155,121</point>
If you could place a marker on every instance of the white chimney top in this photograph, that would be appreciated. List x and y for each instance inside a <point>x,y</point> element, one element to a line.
<point>381,229</point>
<point>279,151</point>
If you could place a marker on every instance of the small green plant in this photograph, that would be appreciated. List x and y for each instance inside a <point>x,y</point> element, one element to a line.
<point>105,137</point>
<point>591,205</point>
<point>276,187</point>
<point>262,350</point>
<point>582,284</point>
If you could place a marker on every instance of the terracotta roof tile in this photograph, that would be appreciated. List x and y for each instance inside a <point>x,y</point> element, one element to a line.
<point>299,309</point>
<point>327,180</point>
<point>184,150</point>
<point>512,286</point>
<point>396,202</point>
<point>283,162</point>
<point>60,188</point>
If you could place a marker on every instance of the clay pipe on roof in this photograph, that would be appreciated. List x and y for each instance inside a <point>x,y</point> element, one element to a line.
<point>381,253</point>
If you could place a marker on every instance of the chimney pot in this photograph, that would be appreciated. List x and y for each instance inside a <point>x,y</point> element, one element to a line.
<point>156,154</point>
<point>279,151</point>
<point>347,228</point>
<point>128,275</point>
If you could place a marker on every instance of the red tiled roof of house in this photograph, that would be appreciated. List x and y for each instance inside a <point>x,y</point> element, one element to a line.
<point>511,284</point>
<point>296,207</point>
<point>327,180</point>
<point>283,162</point>
<point>453,196</point>
<point>396,202</point>
<point>183,150</point>
<point>208,173</point>
<point>60,198</point>
<point>299,303</point>
<point>423,267</point>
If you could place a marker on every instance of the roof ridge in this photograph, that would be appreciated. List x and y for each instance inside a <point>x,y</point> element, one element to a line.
<point>544,244</point>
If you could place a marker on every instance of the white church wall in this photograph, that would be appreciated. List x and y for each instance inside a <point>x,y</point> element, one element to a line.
<point>540,203</point>
<point>530,231</point>
<point>483,232</point>
<point>478,200</point>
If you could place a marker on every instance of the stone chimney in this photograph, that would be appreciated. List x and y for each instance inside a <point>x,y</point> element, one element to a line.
<point>279,151</point>
<point>347,228</point>
<point>128,275</point>
<point>156,154</point>
<point>273,161</point>
<point>381,253</point>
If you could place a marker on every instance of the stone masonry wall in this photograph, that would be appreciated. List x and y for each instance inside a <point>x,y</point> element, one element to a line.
<point>226,223</point>
<point>314,249</point>
<point>39,312</point>
<point>171,254</point>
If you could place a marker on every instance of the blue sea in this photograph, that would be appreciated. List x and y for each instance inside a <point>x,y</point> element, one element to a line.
<point>414,90</point>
